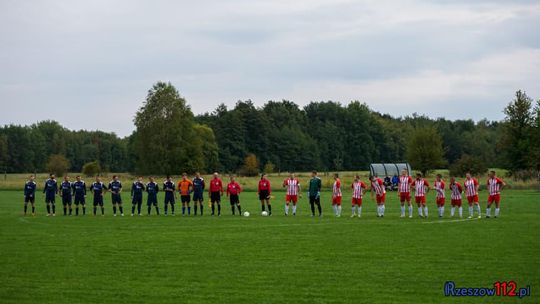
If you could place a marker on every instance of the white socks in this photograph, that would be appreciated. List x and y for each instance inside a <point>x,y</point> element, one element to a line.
<point>478,208</point>
<point>339,210</point>
<point>382,210</point>
<point>452,211</point>
<point>470,211</point>
<point>353,209</point>
<point>410,210</point>
<point>420,211</point>
<point>488,211</point>
<point>286,209</point>
<point>425,211</point>
<point>441,211</point>
<point>402,210</point>
<point>496,212</point>
<point>359,211</point>
<point>460,212</point>
<point>294,209</point>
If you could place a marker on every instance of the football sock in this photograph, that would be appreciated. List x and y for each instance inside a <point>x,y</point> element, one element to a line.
<point>488,211</point>
<point>479,210</point>
<point>114,210</point>
<point>382,209</point>
<point>165,208</point>
<point>195,208</point>
<point>359,210</point>
<point>471,211</point>
<point>335,209</point>
<point>65,211</point>
<point>83,210</point>
<point>53,208</point>
<point>188,210</point>
<point>48,209</point>
<point>201,209</point>
<point>172,208</point>
<point>319,208</point>
<point>70,210</point>
<point>239,209</point>
<point>442,210</point>
<point>77,211</point>
<point>33,209</point>
<point>312,208</point>
<point>269,209</point>
<point>294,209</point>
<point>286,209</point>
<point>460,211</point>
<point>353,210</point>
<point>232,209</point>
<point>102,210</point>
<point>149,209</point>
<point>262,206</point>
<point>133,209</point>
<point>402,210</point>
<point>420,211</point>
<point>95,209</point>
<point>157,210</point>
<point>339,210</point>
<point>121,209</point>
<point>25,208</point>
<point>497,211</point>
<point>218,208</point>
<point>425,211</point>
<point>213,208</point>
<point>410,210</point>
<point>139,208</point>
<point>183,210</point>
<point>452,211</point>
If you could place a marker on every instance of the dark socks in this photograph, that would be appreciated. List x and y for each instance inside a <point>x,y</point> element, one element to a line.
<point>149,209</point>
<point>269,209</point>
<point>172,208</point>
<point>157,210</point>
<point>84,210</point>
<point>114,209</point>
<point>195,208</point>
<point>25,208</point>
<point>201,209</point>
<point>218,208</point>
<point>33,209</point>
<point>121,209</point>
<point>166,207</point>
<point>76,211</point>
<point>319,208</point>
<point>239,209</point>
<point>213,208</point>
<point>65,210</point>
<point>48,209</point>
<point>95,209</point>
<point>70,210</point>
<point>133,209</point>
<point>312,205</point>
<point>139,205</point>
<point>188,210</point>
<point>183,210</point>
<point>102,211</point>
<point>262,207</point>
<point>53,209</point>
<point>232,209</point>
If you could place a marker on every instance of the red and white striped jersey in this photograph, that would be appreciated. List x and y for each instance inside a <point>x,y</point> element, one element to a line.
<point>336,189</point>
<point>405,183</point>
<point>439,187</point>
<point>470,187</point>
<point>377,185</point>
<point>456,191</point>
<point>494,185</point>
<point>420,186</point>
<point>358,189</point>
<point>292,185</point>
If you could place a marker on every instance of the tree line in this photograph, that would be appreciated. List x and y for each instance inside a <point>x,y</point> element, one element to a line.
<point>279,136</point>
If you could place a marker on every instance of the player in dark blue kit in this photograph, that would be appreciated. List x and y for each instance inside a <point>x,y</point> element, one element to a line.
<point>98,189</point>
<point>170,194</point>
<point>152,189</point>
<point>115,187</point>
<point>79,193</point>
<point>137,195</point>
<point>65,193</point>
<point>30,194</point>
<point>50,190</point>
<point>198,190</point>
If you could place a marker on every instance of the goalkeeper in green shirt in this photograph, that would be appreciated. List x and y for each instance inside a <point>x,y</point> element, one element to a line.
<point>314,193</point>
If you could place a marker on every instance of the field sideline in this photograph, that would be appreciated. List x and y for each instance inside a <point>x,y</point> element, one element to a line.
<point>266,260</point>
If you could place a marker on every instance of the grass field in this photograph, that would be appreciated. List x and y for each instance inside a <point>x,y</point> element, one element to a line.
<point>276,259</point>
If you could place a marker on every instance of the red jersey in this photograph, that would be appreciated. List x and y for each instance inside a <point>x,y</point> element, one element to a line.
<point>264,184</point>
<point>292,185</point>
<point>470,187</point>
<point>233,188</point>
<point>456,191</point>
<point>420,186</point>
<point>216,185</point>
<point>405,183</point>
<point>377,184</point>
<point>358,189</point>
<point>336,188</point>
<point>439,187</point>
<point>494,185</point>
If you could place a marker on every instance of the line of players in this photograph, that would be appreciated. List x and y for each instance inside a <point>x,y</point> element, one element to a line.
<point>76,192</point>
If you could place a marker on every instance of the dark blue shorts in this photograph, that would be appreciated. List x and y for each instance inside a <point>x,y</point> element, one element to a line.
<point>137,199</point>
<point>79,200</point>
<point>50,198</point>
<point>151,200</point>
<point>29,199</point>
<point>116,198</point>
<point>198,197</point>
<point>169,199</point>
<point>98,200</point>
<point>66,199</point>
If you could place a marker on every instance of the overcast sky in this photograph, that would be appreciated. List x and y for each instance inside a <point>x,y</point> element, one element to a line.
<point>89,64</point>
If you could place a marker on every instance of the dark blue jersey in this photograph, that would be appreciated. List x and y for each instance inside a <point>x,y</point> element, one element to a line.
<point>51,186</point>
<point>79,188</point>
<point>98,188</point>
<point>65,187</point>
<point>169,187</point>
<point>115,187</point>
<point>152,188</point>
<point>198,185</point>
<point>30,188</point>
<point>137,189</point>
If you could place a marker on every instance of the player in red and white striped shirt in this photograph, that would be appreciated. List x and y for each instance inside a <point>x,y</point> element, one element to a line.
<point>293,190</point>
<point>421,187</point>
<point>404,192</point>
<point>456,190</point>
<point>336,195</point>
<point>471,191</point>
<point>358,188</point>
<point>440,198</point>
<point>377,187</point>
<point>494,185</point>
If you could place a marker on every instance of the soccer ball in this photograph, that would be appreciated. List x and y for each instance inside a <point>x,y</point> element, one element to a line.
<point>264,213</point>
<point>246,214</point>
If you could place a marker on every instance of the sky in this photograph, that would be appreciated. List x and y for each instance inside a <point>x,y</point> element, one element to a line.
<point>89,64</point>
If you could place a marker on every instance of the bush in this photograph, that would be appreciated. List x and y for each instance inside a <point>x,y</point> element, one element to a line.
<point>269,167</point>
<point>466,164</point>
<point>91,169</point>
<point>524,175</point>
<point>57,164</point>
<point>251,166</point>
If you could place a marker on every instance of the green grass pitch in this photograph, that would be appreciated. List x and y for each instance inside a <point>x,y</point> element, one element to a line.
<point>266,260</point>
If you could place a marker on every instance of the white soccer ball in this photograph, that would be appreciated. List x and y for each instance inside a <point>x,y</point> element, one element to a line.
<point>246,214</point>
<point>264,213</point>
